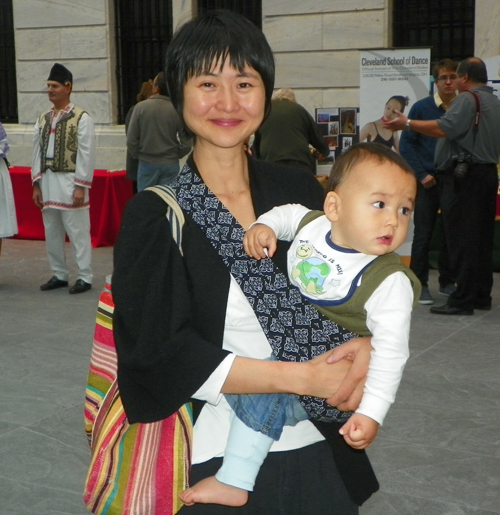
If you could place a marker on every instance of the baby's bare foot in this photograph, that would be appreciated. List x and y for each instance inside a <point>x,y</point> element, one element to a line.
<point>211,491</point>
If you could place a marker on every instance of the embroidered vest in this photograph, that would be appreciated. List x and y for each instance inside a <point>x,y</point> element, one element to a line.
<point>66,141</point>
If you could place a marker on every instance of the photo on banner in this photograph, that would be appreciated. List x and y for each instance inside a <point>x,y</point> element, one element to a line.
<point>391,79</point>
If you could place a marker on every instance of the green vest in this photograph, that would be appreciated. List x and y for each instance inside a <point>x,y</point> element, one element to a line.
<point>352,314</point>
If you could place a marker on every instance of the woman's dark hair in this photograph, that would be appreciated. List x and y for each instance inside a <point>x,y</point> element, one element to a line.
<point>212,38</point>
<point>403,101</point>
<point>363,152</point>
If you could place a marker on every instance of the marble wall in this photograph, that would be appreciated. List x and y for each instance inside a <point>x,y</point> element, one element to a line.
<point>487,34</point>
<point>316,46</point>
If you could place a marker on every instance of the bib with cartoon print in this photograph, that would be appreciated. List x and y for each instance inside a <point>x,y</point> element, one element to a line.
<point>325,273</point>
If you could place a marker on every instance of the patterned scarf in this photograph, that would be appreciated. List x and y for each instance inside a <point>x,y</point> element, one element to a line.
<point>296,331</point>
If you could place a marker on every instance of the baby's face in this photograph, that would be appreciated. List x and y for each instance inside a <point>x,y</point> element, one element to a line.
<point>373,208</point>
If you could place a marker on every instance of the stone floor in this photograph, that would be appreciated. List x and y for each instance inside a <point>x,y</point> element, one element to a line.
<point>437,454</point>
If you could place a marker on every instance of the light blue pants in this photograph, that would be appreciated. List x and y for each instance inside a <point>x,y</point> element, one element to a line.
<point>256,422</point>
<point>245,452</point>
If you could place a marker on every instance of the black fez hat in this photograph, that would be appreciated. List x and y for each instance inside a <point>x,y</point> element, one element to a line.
<point>61,74</point>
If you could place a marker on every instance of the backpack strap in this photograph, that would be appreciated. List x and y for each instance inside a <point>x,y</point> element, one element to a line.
<point>174,213</point>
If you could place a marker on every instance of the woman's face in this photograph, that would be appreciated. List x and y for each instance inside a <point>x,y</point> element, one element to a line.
<point>389,113</point>
<point>224,107</point>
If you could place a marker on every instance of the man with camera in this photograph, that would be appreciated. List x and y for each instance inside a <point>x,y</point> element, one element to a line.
<point>466,160</point>
<point>418,150</point>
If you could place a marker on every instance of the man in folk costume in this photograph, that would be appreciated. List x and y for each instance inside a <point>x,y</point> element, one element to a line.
<point>62,171</point>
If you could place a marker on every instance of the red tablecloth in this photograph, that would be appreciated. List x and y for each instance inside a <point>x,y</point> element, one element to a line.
<point>109,193</point>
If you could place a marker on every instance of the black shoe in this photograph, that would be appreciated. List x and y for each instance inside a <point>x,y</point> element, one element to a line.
<point>53,283</point>
<point>450,310</point>
<point>80,286</point>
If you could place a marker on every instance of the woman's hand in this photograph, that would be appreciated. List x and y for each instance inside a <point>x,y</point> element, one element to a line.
<point>321,377</point>
<point>349,393</point>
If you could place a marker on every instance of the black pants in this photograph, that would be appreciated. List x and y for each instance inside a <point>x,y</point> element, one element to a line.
<point>427,207</point>
<point>469,208</point>
<point>300,482</point>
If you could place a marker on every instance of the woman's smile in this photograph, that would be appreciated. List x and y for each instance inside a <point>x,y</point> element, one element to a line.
<point>224,106</point>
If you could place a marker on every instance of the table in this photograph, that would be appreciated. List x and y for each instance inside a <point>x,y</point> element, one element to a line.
<point>108,196</point>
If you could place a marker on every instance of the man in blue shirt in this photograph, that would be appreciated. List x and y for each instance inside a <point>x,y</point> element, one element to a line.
<point>418,150</point>
<point>466,158</point>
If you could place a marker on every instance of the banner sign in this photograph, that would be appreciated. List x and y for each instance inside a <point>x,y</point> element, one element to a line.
<point>398,74</point>
<point>391,79</point>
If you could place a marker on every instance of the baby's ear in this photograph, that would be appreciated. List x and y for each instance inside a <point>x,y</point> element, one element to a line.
<point>332,206</point>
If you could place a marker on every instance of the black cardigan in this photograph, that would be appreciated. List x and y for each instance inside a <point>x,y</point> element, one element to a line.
<point>170,309</point>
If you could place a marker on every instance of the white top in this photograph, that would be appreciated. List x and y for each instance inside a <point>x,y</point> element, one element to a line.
<point>333,269</point>
<point>58,187</point>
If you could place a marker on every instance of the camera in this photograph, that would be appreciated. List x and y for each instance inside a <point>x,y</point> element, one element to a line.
<point>463,160</point>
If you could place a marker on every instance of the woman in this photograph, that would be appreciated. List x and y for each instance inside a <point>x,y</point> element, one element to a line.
<point>375,131</point>
<point>8,220</point>
<point>183,327</point>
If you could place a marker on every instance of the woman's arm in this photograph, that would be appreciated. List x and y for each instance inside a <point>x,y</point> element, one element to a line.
<point>366,131</point>
<point>338,375</point>
<point>162,358</point>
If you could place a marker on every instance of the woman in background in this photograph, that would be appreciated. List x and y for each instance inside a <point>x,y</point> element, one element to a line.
<point>8,220</point>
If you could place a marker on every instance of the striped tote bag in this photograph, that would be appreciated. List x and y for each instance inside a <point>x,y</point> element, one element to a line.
<point>135,469</point>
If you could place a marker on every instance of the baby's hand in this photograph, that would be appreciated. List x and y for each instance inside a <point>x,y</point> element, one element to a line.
<point>359,431</point>
<point>260,241</point>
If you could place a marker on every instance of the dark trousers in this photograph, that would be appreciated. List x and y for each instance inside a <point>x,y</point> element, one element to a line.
<point>299,482</point>
<point>427,206</point>
<point>469,208</point>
